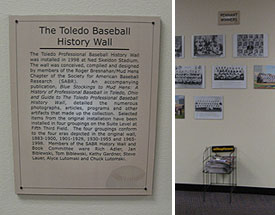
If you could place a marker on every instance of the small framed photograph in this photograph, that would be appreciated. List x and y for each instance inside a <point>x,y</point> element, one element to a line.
<point>190,77</point>
<point>250,45</point>
<point>264,77</point>
<point>208,107</point>
<point>179,47</point>
<point>228,76</point>
<point>179,107</point>
<point>208,46</point>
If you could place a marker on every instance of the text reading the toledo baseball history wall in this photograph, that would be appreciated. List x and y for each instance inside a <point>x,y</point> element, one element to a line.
<point>94,31</point>
<point>84,105</point>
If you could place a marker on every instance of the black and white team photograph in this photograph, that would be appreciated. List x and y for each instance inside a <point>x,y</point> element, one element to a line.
<point>190,77</point>
<point>228,76</point>
<point>179,46</point>
<point>250,45</point>
<point>208,107</point>
<point>208,46</point>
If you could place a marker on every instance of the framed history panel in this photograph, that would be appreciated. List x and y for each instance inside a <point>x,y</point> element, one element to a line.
<point>84,103</point>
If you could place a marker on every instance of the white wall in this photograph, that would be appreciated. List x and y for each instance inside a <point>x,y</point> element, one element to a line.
<point>160,202</point>
<point>249,114</point>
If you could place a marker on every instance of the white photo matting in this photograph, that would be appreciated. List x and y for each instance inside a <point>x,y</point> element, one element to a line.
<point>179,46</point>
<point>228,76</point>
<point>190,77</point>
<point>84,103</point>
<point>208,107</point>
<point>250,45</point>
<point>208,46</point>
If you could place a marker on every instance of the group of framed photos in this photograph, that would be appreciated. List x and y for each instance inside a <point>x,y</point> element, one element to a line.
<point>223,76</point>
<point>244,45</point>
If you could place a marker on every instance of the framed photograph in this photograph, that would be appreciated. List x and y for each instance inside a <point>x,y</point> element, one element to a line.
<point>179,107</point>
<point>264,77</point>
<point>228,76</point>
<point>179,47</point>
<point>250,45</point>
<point>190,77</point>
<point>208,46</point>
<point>208,107</point>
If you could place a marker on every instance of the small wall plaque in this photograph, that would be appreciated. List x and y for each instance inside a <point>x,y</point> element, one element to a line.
<point>229,17</point>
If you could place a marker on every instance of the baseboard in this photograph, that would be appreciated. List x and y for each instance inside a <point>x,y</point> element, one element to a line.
<point>218,188</point>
